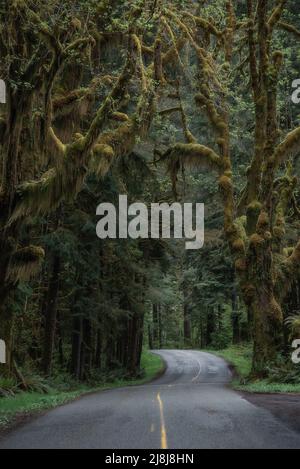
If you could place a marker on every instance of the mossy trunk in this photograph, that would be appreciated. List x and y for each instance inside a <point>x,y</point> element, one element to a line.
<point>259,294</point>
<point>267,315</point>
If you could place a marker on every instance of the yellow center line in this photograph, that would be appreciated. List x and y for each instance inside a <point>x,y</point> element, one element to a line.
<point>164,444</point>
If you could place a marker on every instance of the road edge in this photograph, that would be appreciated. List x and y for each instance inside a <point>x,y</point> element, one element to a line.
<point>22,418</point>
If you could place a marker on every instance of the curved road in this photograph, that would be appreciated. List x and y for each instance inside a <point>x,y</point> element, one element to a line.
<point>189,407</point>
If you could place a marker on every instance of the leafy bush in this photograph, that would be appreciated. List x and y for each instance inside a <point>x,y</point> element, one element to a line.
<point>289,374</point>
<point>8,386</point>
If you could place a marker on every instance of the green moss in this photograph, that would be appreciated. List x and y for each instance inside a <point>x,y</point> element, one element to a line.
<point>240,265</point>
<point>238,245</point>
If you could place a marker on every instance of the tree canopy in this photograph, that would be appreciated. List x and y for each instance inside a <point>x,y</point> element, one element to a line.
<point>162,101</point>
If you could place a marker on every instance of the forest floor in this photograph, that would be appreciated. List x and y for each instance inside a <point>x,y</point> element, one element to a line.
<point>23,405</point>
<point>240,359</point>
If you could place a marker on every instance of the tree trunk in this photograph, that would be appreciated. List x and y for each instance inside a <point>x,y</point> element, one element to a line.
<point>76,346</point>
<point>150,337</point>
<point>235,317</point>
<point>159,326</point>
<point>60,341</point>
<point>210,325</point>
<point>187,330</point>
<point>267,316</point>
<point>50,315</point>
<point>86,360</point>
<point>135,341</point>
<point>155,324</point>
<point>98,354</point>
<point>258,294</point>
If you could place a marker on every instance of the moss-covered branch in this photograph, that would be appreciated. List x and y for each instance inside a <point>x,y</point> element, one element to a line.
<point>289,28</point>
<point>276,14</point>
<point>289,146</point>
<point>287,271</point>
<point>190,155</point>
<point>204,24</point>
<point>110,103</point>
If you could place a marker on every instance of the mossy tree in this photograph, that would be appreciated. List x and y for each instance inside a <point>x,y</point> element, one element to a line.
<point>82,83</point>
<point>254,223</point>
<point>49,141</point>
<point>71,111</point>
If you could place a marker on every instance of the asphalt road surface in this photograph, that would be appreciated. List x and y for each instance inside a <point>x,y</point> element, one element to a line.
<point>190,406</point>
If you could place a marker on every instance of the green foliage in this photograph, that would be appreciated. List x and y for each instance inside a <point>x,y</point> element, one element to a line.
<point>61,389</point>
<point>281,379</point>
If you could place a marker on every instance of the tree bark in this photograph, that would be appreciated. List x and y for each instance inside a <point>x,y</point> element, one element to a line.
<point>187,328</point>
<point>236,332</point>
<point>76,346</point>
<point>50,315</point>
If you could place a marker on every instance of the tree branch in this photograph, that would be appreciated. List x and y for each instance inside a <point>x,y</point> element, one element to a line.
<point>290,28</point>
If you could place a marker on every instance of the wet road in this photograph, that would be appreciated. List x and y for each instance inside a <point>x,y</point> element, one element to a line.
<point>190,406</point>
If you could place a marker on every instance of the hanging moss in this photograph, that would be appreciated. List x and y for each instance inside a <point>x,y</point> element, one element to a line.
<point>76,23</point>
<point>256,241</point>
<point>225,184</point>
<point>238,245</point>
<point>287,147</point>
<point>120,117</point>
<point>253,211</point>
<point>263,222</point>
<point>240,265</point>
<point>25,263</point>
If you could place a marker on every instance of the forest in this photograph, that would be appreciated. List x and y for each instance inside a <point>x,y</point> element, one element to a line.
<point>162,101</point>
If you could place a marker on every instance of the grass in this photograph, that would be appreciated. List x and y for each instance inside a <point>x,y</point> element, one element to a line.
<point>240,356</point>
<point>264,386</point>
<point>27,403</point>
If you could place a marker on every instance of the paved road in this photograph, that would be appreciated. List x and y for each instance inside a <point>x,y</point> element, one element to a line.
<point>190,406</point>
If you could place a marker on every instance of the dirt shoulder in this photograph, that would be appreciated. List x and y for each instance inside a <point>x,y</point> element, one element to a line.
<point>285,407</point>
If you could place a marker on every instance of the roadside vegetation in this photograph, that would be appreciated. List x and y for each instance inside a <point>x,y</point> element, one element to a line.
<point>278,381</point>
<point>18,405</point>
